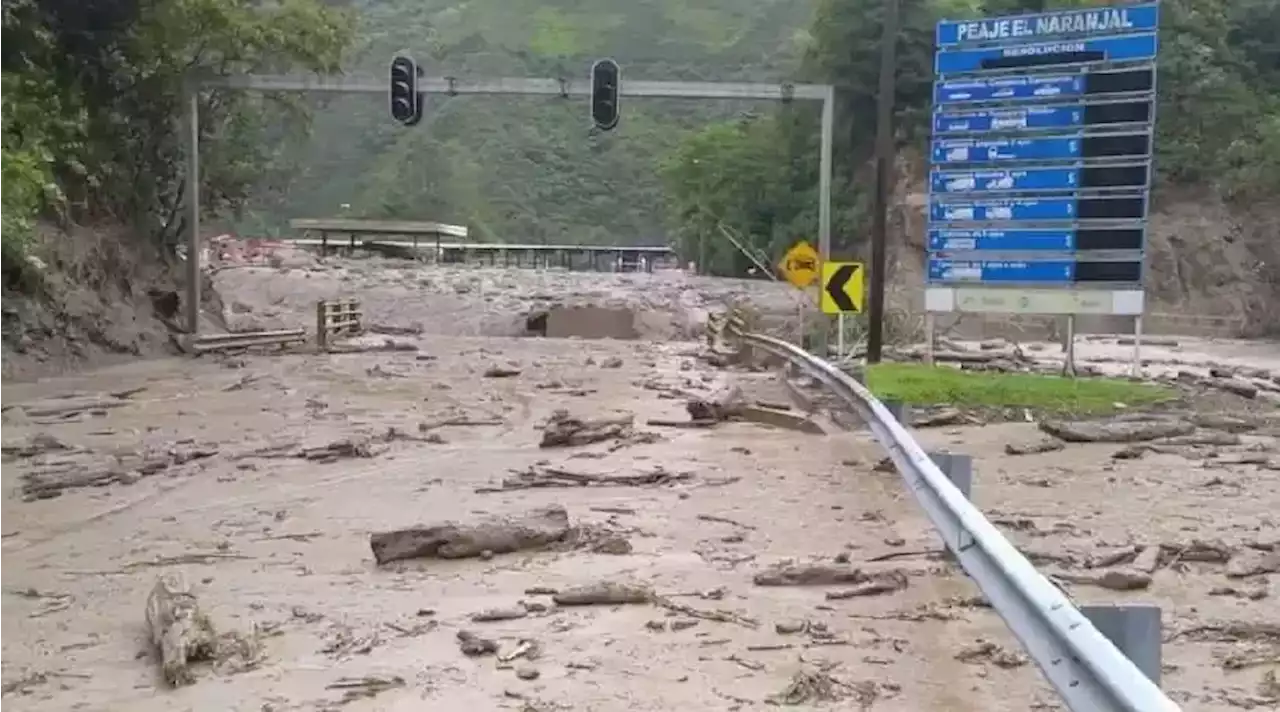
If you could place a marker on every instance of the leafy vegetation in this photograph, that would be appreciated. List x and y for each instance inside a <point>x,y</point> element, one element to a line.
<point>929,385</point>
<point>93,88</point>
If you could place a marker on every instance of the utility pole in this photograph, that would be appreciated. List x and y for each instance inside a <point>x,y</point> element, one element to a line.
<point>884,179</point>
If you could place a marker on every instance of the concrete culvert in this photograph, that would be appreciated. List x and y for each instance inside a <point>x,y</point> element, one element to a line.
<point>536,324</point>
<point>590,322</point>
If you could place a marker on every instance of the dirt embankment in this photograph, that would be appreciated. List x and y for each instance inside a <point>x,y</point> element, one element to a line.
<point>1212,269</point>
<point>100,296</point>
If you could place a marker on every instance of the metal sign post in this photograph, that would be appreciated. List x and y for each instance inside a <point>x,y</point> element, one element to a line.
<point>452,86</point>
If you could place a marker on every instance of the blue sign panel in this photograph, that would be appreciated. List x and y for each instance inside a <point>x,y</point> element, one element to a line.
<point>1019,103</point>
<point>1002,271</point>
<point>955,91</point>
<point>1019,119</point>
<point>1007,240</point>
<point>1003,210</point>
<point>1004,181</point>
<point>1100,49</point>
<point>968,150</point>
<point>1029,28</point>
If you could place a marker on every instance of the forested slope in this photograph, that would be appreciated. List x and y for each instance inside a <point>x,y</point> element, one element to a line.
<point>518,168</point>
<point>91,90</point>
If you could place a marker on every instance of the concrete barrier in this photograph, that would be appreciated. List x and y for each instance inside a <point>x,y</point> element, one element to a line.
<point>591,323</point>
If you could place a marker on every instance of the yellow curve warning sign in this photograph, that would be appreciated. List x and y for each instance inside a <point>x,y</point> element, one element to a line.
<point>800,265</point>
<point>842,287</point>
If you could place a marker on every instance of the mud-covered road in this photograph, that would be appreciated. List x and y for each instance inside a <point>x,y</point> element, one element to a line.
<point>242,488</point>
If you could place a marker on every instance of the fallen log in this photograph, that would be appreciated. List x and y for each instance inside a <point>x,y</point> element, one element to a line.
<point>535,478</point>
<point>604,593</point>
<point>811,575</point>
<point>534,529</point>
<point>1116,430</point>
<point>180,631</point>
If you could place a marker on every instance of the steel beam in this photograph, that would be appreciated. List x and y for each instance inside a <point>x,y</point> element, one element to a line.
<point>356,84</point>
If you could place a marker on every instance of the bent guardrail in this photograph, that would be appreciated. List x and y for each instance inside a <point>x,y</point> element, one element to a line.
<point>1087,670</point>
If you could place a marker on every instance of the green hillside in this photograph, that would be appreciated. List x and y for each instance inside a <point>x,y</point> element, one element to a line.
<point>92,88</point>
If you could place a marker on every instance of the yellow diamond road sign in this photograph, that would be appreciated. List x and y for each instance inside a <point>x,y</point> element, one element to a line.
<point>842,287</point>
<point>800,265</point>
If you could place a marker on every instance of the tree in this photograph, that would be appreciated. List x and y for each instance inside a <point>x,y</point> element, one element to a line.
<point>93,89</point>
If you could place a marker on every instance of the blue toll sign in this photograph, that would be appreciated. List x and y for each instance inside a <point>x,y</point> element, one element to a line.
<point>1040,158</point>
<point>955,91</point>
<point>1034,179</point>
<point>1019,119</point>
<point>943,270</point>
<point>1033,209</point>
<point>1029,28</point>
<point>1127,48</point>
<point>943,240</point>
<point>994,150</point>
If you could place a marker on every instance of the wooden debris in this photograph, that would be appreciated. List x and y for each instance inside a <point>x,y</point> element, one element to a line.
<point>1225,422</point>
<point>539,477</point>
<point>1115,580</point>
<point>473,645</point>
<point>604,593</point>
<point>1034,447</point>
<point>526,648</point>
<point>55,478</point>
<point>1251,562</point>
<point>363,688</point>
<point>722,404</point>
<point>1124,555</point>
<point>807,687</point>
<point>1196,550</point>
<point>37,444</point>
<point>181,632</point>
<point>339,449</point>
<point>1231,631</point>
<point>724,520</point>
<point>718,615</point>
<point>811,575</point>
<point>1116,430</point>
<point>886,582</point>
<point>67,411</point>
<point>939,418</point>
<point>534,529</point>
<point>984,651</point>
<point>508,613</point>
<point>564,430</point>
<point>501,372</point>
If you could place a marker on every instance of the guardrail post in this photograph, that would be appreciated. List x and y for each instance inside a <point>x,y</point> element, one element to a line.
<point>1135,630</point>
<point>957,468</point>
<point>899,410</point>
<point>322,325</point>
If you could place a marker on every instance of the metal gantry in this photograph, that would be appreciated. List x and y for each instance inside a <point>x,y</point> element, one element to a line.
<point>452,86</point>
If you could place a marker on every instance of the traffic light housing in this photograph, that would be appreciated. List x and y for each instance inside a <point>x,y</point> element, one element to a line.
<point>406,101</point>
<point>605,78</point>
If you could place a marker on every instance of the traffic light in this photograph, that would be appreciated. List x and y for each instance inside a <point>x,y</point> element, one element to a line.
<point>605,76</point>
<point>406,102</point>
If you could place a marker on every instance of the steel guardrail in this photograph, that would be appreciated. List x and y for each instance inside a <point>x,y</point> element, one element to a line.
<point>1087,670</point>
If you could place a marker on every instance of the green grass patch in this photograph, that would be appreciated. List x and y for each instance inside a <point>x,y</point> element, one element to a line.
<point>931,385</point>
